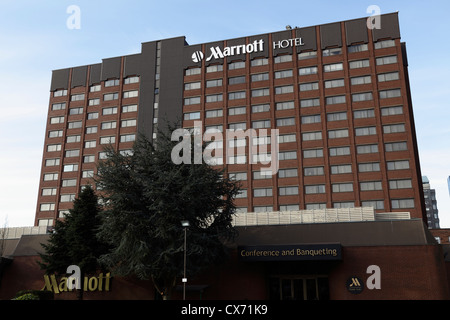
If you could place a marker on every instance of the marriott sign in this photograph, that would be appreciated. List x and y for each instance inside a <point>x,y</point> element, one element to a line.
<point>255,46</point>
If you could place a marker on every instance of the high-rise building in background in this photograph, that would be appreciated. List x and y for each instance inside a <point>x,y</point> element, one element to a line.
<point>338,93</point>
<point>432,211</point>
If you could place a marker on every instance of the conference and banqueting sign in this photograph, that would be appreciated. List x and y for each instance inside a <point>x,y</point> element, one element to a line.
<point>255,46</point>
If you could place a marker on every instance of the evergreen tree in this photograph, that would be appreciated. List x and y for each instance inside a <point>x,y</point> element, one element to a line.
<point>74,240</point>
<point>146,197</point>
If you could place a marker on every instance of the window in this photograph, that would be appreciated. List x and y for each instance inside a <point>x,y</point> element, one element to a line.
<point>263,140</point>
<point>130,80</point>
<point>47,207</point>
<point>128,123</point>
<point>90,144</point>
<point>394,93</point>
<point>287,155</point>
<point>396,146</point>
<point>362,114</point>
<point>263,208</point>
<point>52,162</point>
<point>77,97</point>
<point>366,96</point>
<point>108,111</point>
<point>369,167</point>
<point>402,203</point>
<point>92,115</point>
<point>237,110</point>
<point>73,111</point>
<point>127,137</point>
<point>370,148</point>
<point>289,207</point>
<point>342,205</point>
<point>283,74</point>
<point>370,186</point>
<point>67,197</point>
<point>95,88</point>
<point>359,64</point>
<point>55,120</point>
<point>58,106</point>
<point>129,108</point>
<point>237,126</point>
<point>283,58</point>
<point>307,71</point>
<point>111,82</point>
<point>285,138</point>
<point>313,171</point>
<point>72,153</point>
<point>331,52</point>
<point>333,67</point>
<point>259,62</point>
<point>190,101</point>
<point>305,103</point>
<point>337,116</point>
<point>342,187</point>
<point>307,55</point>
<point>90,130</point>
<point>260,92</point>
<point>94,102</point>
<point>69,183</point>
<point>284,89</point>
<point>236,65</point>
<point>214,98</point>
<point>309,86</point>
<point>192,115</point>
<point>288,191</point>
<point>193,71</point>
<point>315,206</point>
<point>394,128</point>
<point>214,113</point>
<point>313,153</point>
<point>398,165</point>
<point>60,93</point>
<point>361,80</point>
<point>400,184</point>
<point>72,139</point>
<point>48,192</point>
<point>213,83</point>
<point>341,169</point>
<point>260,108</point>
<point>386,60</point>
<point>376,204</point>
<point>236,95</point>
<point>213,68</point>
<point>340,133</point>
<point>264,174</point>
<point>339,151</point>
<point>311,119</point>
<point>260,77</point>
<point>70,167</point>
<point>287,173</point>
<point>110,96</point>
<point>50,176</point>
<point>358,48</point>
<point>336,83</point>
<point>286,105</point>
<point>238,176</point>
<point>285,122</point>
<point>391,111</point>
<point>261,124</point>
<point>88,159</point>
<point>241,194</point>
<point>365,131</point>
<point>108,125</point>
<point>320,188</point>
<point>391,76</point>
<point>335,100</point>
<point>384,44</point>
<point>107,140</point>
<point>237,159</point>
<point>308,136</point>
<point>236,80</point>
<point>55,134</point>
<point>262,192</point>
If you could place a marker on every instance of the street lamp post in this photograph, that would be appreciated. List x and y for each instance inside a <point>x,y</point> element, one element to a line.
<point>185,225</point>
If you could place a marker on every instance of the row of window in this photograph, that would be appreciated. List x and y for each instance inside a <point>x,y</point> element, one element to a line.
<point>288,58</point>
<point>106,97</point>
<point>91,143</point>
<point>304,103</point>
<point>89,129</point>
<point>98,87</point>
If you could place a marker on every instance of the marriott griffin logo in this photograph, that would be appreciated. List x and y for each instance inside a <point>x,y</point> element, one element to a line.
<point>218,53</point>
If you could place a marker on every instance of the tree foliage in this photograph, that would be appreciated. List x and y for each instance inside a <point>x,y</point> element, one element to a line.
<point>146,196</point>
<point>74,240</point>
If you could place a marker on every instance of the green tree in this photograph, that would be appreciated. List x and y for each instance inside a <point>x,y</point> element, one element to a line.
<point>146,197</point>
<point>74,240</point>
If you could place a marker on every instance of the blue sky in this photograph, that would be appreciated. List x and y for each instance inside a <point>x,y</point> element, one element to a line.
<point>34,40</point>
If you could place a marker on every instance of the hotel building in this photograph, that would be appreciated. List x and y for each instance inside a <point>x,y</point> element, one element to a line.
<point>338,93</point>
